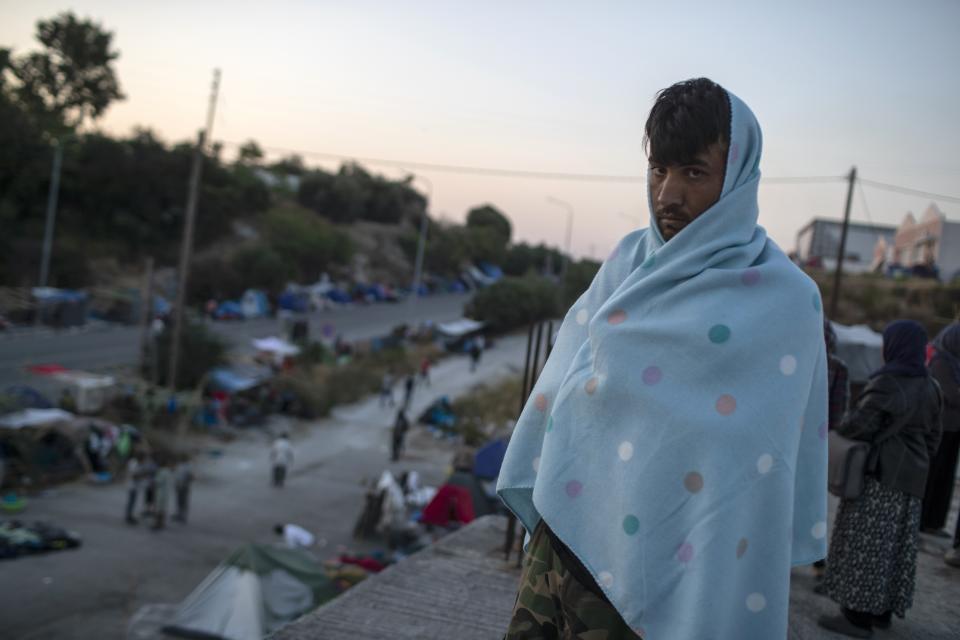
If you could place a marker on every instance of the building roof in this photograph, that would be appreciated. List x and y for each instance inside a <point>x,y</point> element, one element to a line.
<point>865,226</point>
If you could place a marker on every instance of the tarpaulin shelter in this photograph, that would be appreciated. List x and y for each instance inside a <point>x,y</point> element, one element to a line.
<point>237,379</point>
<point>489,458</point>
<point>861,348</point>
<point>256,590</point>
<point>276,350</point>
<point>61,307</point>
<point>47,445</point>
<point>482,504</point>
<point>451,504</point>
<point>24,397</point>
<point>254,304</point>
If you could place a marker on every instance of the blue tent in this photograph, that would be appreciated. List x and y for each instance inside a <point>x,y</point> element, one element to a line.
<point>487,462</point>
<point>27,397</point>
<point>228,310</point>
<point>236,379</point>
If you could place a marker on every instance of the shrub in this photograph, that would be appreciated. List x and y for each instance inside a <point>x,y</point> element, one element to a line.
<point>200,351</point>
<point>515,302</point>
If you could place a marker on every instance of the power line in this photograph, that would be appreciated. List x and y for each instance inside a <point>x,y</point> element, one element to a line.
<point>907,190</point>
<point>510,173</point>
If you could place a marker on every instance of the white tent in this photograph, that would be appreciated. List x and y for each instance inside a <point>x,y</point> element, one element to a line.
<point>255,591</point>
<point>861,348</point>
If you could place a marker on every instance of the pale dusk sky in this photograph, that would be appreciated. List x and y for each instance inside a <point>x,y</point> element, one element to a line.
<point>551,86</point>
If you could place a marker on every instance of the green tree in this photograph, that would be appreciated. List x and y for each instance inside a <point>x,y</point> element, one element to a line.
<point>514,302</point>
<point>250,153</point>
<point>307,242</point>
<point>71,80</point>
<point>489,217</point>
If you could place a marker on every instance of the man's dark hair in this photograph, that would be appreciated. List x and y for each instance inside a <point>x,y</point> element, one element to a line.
<point>686,118</point>
<point>278,529</point>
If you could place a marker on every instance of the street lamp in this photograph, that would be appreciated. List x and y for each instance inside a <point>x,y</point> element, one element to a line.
<point>422,242</point>
<point>569,209</point>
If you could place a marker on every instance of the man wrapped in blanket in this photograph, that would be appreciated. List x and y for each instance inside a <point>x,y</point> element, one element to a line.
<point>670,466</point>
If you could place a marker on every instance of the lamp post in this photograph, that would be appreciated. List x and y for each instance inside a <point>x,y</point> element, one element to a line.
<point>422,241</point>
<point>566,247</point>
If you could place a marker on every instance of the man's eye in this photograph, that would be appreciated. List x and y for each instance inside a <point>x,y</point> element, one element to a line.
<point>657,171</point>
<point>694,173</point>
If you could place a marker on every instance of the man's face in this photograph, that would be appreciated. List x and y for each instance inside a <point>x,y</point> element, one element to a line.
<point>681,192</point>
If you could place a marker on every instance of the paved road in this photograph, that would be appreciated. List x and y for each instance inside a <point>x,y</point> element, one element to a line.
<point>93,591</point>
<point>107,347</point>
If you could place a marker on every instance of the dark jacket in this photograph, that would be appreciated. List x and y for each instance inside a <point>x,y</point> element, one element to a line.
<point>940,370</point>
<point>901,416</point>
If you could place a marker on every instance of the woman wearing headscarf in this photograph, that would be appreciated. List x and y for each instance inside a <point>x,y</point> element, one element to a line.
<point>945,368</point>
<point>871,565</point>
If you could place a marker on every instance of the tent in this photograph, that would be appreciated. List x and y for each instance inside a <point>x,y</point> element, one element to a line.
<point>482,504</point>
<point>861,348</point>
<point>254,304</point>
<point>487,462</point>
<point>256,590</point>
<point>236,379</point>
<point>452,503</point>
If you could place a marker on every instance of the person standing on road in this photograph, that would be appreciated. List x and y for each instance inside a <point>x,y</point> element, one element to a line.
<point>386,389</point>
<point>476,351</point>
<point>182,479</point>
<point>872,566</point>
<point>671,464</point>
<point>281,455</point>
<point>148,476</point>
<point>945,369</point>
<point>408,390</point>
<point>400,427</point>
<point>295,536</point>
<point>425,365</point>
<point>162,493</point>
<point>134,485</point>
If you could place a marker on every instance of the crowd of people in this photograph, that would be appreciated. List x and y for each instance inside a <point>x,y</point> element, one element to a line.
<point>154,481</point>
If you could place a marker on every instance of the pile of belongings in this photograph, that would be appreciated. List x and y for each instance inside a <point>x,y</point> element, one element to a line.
<point>439,417</point>
<point>348,570</point>
<point>387,512</point>
<point>18,539</point>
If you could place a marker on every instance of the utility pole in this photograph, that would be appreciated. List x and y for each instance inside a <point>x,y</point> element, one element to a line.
<point>146,313</point>
<point>186,246</point>
<point>835,296</point>
<point>52,196</point>
<point>421,243</point>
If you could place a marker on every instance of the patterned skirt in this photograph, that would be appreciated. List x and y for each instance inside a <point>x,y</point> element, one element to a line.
<point>872,562</point>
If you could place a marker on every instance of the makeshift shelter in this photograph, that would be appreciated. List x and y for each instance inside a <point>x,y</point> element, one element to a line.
<point>253,592</point>
<point>228,310</point>
<point>861,348</point>
<point>489,458</point>
<point>458,334</point>
<point>482,504</point>
<point>24,397</point>
<point>61,307</point>
<point>451,504</point>
<point>276,351</point>
<point>42,446</point>
<point>90,391</point>
<point>254,304</point>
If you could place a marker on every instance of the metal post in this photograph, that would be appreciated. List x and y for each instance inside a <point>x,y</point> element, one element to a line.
<point>535,372</point>
<point>186,248</point>
<point>421,242</point>
<point>52,196</point>
<point>525,383</point>
<point>146,314</point>
<point>835,295</point>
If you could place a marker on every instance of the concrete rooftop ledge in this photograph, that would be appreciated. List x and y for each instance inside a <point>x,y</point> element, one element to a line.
<point>459,587</point>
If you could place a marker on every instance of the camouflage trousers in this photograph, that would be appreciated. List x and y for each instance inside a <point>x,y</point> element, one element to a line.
<point>552,603</point>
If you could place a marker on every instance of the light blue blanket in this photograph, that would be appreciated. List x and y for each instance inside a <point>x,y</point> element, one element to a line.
<point>676,439</point>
